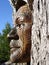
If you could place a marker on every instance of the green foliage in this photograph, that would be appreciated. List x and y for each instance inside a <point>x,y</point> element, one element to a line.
<point>4,44</point>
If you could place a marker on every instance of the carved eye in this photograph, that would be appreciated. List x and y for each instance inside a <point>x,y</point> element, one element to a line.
<point>18,25</point>
<point>22,25</point>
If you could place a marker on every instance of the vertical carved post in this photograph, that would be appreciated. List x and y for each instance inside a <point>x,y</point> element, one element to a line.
<point>40,33</point>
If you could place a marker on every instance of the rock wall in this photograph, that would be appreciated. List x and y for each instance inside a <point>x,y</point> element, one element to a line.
<point>40,33</point>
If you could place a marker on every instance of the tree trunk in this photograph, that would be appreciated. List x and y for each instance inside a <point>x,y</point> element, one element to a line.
<point>40,33</point>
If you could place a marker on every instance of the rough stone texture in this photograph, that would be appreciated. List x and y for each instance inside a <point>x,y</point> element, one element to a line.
<point>40,33</point>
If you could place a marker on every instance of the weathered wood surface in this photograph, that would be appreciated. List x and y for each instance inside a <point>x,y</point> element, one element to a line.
<point>40,33</point>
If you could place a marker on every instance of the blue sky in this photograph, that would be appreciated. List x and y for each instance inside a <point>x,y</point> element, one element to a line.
<point>5,14</point>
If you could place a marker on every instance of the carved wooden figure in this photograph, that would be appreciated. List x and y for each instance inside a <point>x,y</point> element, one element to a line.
<point>20,35</point>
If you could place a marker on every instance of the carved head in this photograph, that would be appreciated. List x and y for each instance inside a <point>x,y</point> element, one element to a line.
<point>20,36</point>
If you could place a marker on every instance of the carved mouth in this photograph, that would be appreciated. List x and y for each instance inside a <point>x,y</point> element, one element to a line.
<point>13,49</point>
<point>14,44</point>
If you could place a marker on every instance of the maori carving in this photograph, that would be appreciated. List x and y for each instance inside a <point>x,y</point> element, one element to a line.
<point>20,35</point>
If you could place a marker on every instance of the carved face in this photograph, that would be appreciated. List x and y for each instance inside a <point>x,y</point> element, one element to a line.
<point>20,36</point>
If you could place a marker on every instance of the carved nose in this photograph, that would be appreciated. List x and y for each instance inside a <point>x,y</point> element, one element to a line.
<point>13,35</point>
